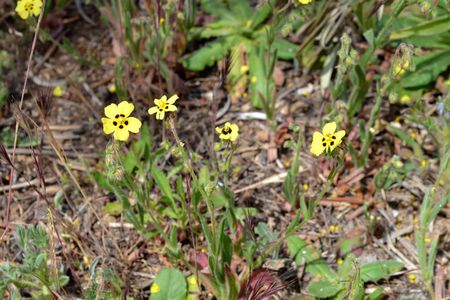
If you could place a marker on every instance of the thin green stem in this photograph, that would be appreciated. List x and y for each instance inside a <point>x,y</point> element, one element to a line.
<point>188,162</point>
<point>290,231</point>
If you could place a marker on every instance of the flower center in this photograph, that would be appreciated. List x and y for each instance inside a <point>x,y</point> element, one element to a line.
<point>28,6</point>
<point>163,106</point>
<point>120,121</point>
<point>328,140</point>
<point>226,130</point>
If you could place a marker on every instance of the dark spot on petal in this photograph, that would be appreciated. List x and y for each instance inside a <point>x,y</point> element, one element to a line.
<point>167,107</point>
<point>126,122</point>
<point>115,123</point>
<point>226,130</point>
<point>160,109</point>
<point>323,139</point>
<point>121,126</point>
<point>122,115</point>
<point>332,143</point>
<point>116,116</point>
<point>333,137</point>
<point>324,144</point>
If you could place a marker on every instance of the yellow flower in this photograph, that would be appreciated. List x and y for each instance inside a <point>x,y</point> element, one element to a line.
<point>328,140</point>
<point>154,288</point>
<point>162,106</point>
<point>229,131</point>
<point>304,2</point>
<point>57,91</point>
<point>253,80</point>
<point>119,121</point>
<point>26,8</point>
<point>412,278</point>
<point>340,261</point>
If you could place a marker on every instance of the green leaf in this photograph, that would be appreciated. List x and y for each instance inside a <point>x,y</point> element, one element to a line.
<point>379,270</point>
<point>347,245</point>
<point>432,27</point>
<point>258,71</point>
<point>441,41</point>
<point>63,280</point>
<point>347,266</point>
<point>285,50</point>
<point>428,68</point>
<point>263,13</point>
<point>169,284</point>
<point>408,140</point>
<point>309,255</point>
<point>327,70</point>
<point>320,267</point>
<point>378,294</point>
<point>162,182</point>
<point>323,289</point>
<point>113,208</point>
<point>208,54</point>
<point>220,28</point>
<point>438,207</point>
<point>240,9</point>
<point>295,244</point>
<point>243,213</point>
<point>216,8</point>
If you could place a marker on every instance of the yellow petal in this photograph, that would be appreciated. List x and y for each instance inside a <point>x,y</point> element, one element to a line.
<point>172,99</point>
<point>153,110</point>
<point>121,134</point>
<point>37,7</point>
<point>108,126</point>
<point>155,288</point>
<point>160,101</point>
<point>219,129</point>
<point>160,115</point>
<point>20,9</point>
<point>233,135</point>
<point>339,135</point>
<point>134,124</point>
<point>225,136</point>
<point>171,108</point>
<point>317,147</point>
<point>234,132</point>
<point>125,108</point>
<point>234,127</point>
<point>111,110</point>
<point>329,128</point>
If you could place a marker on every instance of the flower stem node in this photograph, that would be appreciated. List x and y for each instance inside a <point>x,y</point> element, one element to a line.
<point>119,122</point>
<point>328,140</point>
